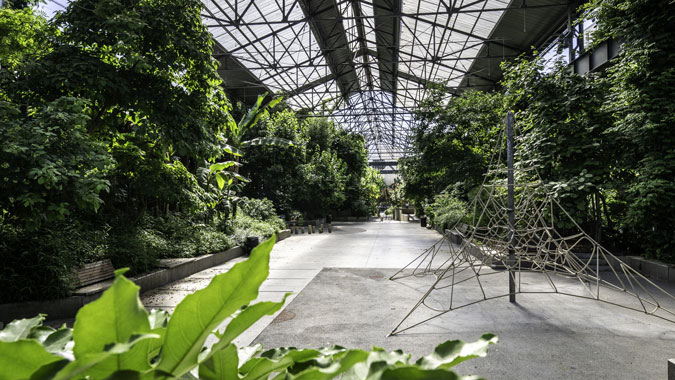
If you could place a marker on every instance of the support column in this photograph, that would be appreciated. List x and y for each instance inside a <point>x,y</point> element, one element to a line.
<point>510,204</point>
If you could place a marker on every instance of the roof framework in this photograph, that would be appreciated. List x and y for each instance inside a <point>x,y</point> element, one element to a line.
<point>367,63</point>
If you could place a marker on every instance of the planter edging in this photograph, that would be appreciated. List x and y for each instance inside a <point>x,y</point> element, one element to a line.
<point>68,307</point>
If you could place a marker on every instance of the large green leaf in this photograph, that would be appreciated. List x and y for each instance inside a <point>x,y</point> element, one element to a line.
<point>201,312</point>
<point>223,165</point>
<point>378,361</point>
<point>214,362</point>
<point>40,333</point>
<point>113,318</point>
<point>275,361</point>
<point>57,341</point>
<point>18,360</point>
<point>20,328</point>
<point>158,320</point>
<point>453,352</point>
<point>220,178</point>
<point>221,365</point>
<point>246,319</point>
<point>341,362</point>
<point>88,364</point>
<point>251,116</point>
<point>256,112</point>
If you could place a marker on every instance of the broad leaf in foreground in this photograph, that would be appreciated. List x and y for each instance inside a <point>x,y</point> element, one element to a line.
<point>221,365</point>
<point>94,362</point>
<point>201,312</point>
<point>113,318</point>
<point>18,360</point>
<point>453,352</point>
<point>20,328</point>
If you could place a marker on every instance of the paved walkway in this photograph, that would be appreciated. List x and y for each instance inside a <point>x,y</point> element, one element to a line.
<point>296,261</point>
<point>341,295</point>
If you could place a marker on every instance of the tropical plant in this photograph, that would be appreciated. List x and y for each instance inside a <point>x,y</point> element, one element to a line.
<point>115,337</point>
<point>323,183</point>
<point>563,133</point>
<point>451,143</point>
<point>641,84</point>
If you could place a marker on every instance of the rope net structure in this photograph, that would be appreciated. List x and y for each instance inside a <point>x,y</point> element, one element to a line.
<point>471,261</point>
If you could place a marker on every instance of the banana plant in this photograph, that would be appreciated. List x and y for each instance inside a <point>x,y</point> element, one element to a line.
<point>236,131</point>
<point>115,337</point>
<point>226,173</point>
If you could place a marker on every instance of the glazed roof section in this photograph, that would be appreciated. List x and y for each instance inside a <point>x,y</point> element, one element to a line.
<point>368,63</point>
<point>318,51</point>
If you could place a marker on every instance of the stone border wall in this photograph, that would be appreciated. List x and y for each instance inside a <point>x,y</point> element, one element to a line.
<point>174,271</point>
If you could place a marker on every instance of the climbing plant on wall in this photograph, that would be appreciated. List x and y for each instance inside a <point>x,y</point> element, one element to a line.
<point>642,88</point>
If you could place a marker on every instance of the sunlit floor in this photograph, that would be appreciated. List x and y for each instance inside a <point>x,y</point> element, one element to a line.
<point>296,261</point>
<point>342,295</point>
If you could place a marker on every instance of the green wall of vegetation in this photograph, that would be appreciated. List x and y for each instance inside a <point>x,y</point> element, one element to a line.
<point>603,142</point>
<point>117,141</point>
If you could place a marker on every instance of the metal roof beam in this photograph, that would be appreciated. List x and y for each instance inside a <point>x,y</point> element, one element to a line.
<point>388,39</point>
<point>332,40</point>
<point>361,30</point>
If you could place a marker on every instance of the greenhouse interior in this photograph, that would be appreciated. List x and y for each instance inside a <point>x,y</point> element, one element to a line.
<point>337,189</point>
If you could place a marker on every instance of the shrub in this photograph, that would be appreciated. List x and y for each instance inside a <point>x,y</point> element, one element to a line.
<point>261,209</point>
<point>447,210</point>
<point>243,226</point>
<point>37,264</point>
<point>115,337</point>
<point>137,248</point>
<point>170,236</point>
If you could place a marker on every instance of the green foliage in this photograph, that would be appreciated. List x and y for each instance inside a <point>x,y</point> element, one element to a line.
<point>242,226</point>
<point>452,142</point>
<point>22,35</point>
<point>273,170</point>
<point>446,210</point>
<point>370,189</point>
<point>280,174</point>
<point>323,183</point>
<point>37,264</point>
<point>116,337</point>
<point>168,236</point>
<point>320,134</point>
<point>261,209</point>
<point>640,99</point>
<point>113,119</point>
<point>50,165</point>
<point>563,130</point>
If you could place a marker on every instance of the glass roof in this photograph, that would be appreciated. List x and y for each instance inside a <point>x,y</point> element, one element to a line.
<point>365,63</point>
<point>309,49</point>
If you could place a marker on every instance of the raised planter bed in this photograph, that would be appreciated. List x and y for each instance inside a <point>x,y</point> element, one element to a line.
<point>170,270</point>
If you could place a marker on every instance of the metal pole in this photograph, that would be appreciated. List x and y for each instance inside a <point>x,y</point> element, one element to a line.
<point>511,204</point>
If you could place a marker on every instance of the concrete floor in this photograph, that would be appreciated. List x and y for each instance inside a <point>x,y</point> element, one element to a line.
<point>342,295</point>
<point>296,261</point>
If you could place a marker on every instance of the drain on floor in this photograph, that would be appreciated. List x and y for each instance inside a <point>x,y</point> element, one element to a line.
<point>284,316</point>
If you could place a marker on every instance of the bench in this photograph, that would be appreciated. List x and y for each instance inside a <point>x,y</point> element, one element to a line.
<point>92,278</point>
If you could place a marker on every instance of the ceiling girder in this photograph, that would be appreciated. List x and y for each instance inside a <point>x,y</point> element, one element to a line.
<point>331,38</point>
<point>370,60</point>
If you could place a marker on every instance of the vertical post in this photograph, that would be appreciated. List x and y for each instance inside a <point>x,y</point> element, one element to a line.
<point>671,369</point>
<point>570,30</point>
<point>510,204</point>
